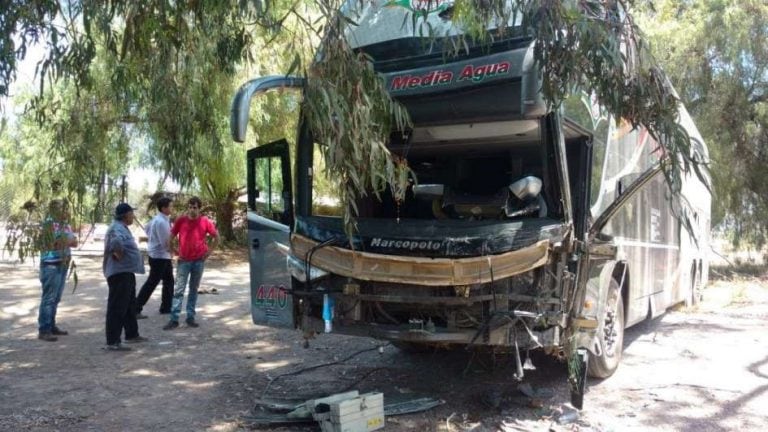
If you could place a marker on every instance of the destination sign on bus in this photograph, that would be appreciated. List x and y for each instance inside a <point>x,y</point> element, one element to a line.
<point>439,77</point>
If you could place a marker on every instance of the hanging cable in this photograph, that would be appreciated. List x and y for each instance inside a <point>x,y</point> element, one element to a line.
<point>308,260</point>
<point>309,368</point>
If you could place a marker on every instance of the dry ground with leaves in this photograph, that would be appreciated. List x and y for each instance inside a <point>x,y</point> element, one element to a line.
<point>702,369</point>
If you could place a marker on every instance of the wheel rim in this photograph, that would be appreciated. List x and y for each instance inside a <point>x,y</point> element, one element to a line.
<point>610,326</point>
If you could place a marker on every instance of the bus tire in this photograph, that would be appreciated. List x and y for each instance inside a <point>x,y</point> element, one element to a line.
<point>611,337</point>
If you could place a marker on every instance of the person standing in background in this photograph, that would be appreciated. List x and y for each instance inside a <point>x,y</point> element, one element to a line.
<point>56,242</point>
<point>122,260</point>
<point>160,263</point>
<point>194,231</point>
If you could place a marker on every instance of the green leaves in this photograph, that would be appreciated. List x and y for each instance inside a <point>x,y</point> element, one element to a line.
<point>716,53</point>
<point>350,112</point>
<point>167,70</point>
<point>23,23</point>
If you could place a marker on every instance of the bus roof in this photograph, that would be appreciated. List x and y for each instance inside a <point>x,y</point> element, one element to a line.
<point>390,20</point>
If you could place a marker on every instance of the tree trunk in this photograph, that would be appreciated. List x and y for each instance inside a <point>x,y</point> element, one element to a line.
<point>225,215</point>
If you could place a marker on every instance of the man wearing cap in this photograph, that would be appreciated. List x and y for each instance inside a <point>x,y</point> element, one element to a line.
<point>122,260</point>
<point>57,240</point>
<point>193,230</point>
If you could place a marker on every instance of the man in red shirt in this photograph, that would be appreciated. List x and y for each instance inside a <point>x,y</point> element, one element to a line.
<point>194,231</point>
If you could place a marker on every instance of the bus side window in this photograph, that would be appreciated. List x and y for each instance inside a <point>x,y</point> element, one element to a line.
<point>599,144</point>
<point>269,201</point>
<point>585,111</point>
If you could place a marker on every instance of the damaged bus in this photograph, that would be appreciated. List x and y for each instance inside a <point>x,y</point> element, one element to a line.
<point>524,228</point>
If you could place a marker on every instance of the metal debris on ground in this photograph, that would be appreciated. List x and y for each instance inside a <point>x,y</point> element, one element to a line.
<point>568,416</point>
<point>529,397</point>
<point>544,393</point>
<point>493,398</point>
<point>526,389</point>
<point>272,412</point>
<point>461,423</point>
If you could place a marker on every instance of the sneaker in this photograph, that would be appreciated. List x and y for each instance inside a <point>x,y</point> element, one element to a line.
<point>164,312</point>
<point>191,323</point>
<point>117,347</point>
<point>137,339</point>
<point>171,325</point>
<point>59,332</point>
<point>141,316</point>
<point>48,337</point>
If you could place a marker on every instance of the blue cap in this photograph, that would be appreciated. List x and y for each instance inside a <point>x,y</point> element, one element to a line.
<point>122,209</point>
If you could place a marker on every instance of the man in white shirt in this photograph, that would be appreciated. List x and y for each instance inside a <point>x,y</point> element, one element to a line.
<point>160,263</point>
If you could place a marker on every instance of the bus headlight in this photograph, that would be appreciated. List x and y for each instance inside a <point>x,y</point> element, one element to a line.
<point>296,268</point>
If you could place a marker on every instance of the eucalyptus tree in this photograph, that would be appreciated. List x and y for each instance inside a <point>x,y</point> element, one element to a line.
<point>717,52</point>
<point>164,56</point>
<point>168,73</point>
<point>73,155</point>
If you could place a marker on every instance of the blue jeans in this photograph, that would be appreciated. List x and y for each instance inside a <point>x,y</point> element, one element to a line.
<point>52,277</point>
<point>192,271</point>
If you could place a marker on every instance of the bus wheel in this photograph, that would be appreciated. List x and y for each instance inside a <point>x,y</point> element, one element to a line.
<point>612,336</point>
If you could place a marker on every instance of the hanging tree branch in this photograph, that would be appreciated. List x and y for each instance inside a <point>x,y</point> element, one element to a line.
<point>590,45</point>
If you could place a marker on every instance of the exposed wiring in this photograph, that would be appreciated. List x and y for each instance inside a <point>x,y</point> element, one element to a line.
<point>308,261</point>
<point>481,330</point>
<point>309,368</point>
<point>467,320</point>
<point>509,315</point>
<point>386,315</point>
<point>359,380</point>
<point>307,273</point>
<point>350,309</point>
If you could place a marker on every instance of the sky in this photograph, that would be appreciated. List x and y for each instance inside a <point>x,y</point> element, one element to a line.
<point>25,78</point>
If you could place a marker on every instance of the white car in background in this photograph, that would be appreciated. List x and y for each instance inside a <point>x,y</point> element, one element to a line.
<point>99,232</point>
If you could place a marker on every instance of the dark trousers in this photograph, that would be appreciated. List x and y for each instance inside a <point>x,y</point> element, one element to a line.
<point>121,307</point>
<point>159,269</point>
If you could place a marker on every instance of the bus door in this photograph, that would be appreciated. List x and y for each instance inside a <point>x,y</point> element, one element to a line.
<point>270,214</point>
<point>270,210</point>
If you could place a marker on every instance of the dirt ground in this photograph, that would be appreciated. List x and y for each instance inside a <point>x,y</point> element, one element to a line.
<point>702,369</point>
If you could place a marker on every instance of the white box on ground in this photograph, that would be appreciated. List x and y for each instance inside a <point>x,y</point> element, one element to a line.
<point>363,413</point>
<point>338,397</point>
